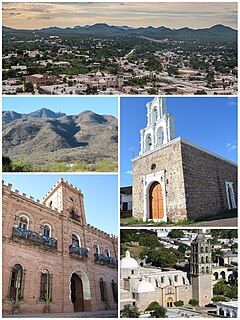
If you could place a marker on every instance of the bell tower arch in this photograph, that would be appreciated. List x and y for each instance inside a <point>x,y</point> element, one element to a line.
<point>160,126</point>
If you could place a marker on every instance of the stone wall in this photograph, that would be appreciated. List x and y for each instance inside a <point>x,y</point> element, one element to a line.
<point>204,181</point>
<point>60,263</point>
<point>202,288</point>
<point>194,180</point>
<point>166,158</point>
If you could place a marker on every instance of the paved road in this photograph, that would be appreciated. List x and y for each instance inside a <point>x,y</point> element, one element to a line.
<point>94,314</point>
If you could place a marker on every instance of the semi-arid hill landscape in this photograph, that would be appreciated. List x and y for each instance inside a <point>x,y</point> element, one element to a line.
<point>47,141</point>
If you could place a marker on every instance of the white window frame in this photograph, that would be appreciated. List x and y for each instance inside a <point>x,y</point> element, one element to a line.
<point>229,184</point>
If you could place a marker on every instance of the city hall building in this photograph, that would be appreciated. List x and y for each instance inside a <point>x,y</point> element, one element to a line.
<point>53,261</point>
<point>174,179</point>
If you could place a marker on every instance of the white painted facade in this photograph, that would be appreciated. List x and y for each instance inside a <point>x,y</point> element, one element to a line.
<point>230,195</point>
<point>160,126</point>
<point>227,309</point>
<point>159,131</point>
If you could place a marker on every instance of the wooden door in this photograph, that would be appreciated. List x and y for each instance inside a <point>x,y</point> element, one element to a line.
<point>156,201</point>
<point>77,293</point>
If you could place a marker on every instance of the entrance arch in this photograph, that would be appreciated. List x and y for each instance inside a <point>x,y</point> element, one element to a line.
<point>221,312</point>
<point>80,293</point>
<point>156,208</point>
<point>169,302</point>
<point>77,293</point>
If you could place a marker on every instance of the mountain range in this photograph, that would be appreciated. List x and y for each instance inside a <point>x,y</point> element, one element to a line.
<point>9,116</point>
<point>44,136</point>
<point>216,31</point>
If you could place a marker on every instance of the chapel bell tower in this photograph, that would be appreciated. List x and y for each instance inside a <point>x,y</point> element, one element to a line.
<point>201,269</point>
<point>160,126</point>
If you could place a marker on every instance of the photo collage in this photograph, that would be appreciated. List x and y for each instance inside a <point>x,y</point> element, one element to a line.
<point>119,159</point>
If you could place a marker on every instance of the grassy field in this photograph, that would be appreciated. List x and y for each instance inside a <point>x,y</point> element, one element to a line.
<point>105,165</point>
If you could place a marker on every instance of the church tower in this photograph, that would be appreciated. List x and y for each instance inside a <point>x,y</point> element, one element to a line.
<point>120,77</point>
<point>160,126</point>
<point>67,198</point>
<point>201,269</point>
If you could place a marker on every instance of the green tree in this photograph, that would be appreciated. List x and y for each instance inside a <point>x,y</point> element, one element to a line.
<point>218,298</point>
<point>233,278</point>
<point>200,92</point>
<point>6,164</point>
<point>210,76</point>
<point>148,240</point>
<point>175,233</point>
<point>153,64</point>
<point>179,303</point>
<point>152,91</point>
<point>172,70</point>
<point>182,248</point>
<point>156,310</point>
<point>129,312</point>
<point>219,287</point>
<point>29,87</point>
<point>193,302</point>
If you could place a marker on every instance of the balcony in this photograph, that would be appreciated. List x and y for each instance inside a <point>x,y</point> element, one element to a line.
<point>34,238</point>
<point>78,252</point>
<point>105,260</point>
<point>75,216</point>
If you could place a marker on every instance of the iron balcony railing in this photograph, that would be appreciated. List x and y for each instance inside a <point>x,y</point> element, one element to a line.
<point>34,237</point>
<point>80,252</point>
<point>102,259</point>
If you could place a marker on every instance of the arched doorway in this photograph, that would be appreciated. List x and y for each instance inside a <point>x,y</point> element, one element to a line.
<point>77,297</point>
<point>221,312</point>
<point>169,302</point>
<point>156,201</point>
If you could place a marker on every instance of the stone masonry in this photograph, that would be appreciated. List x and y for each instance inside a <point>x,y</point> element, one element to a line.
<point>194,181</point>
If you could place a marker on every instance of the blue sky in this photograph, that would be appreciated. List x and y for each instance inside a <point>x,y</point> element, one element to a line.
<point>210,122</point>
<point>68,105</point>
<point>100,194</point>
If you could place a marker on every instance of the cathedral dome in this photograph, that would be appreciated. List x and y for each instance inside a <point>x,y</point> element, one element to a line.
<point>102,81</point>
<point>98,73</point>
<point>128,263</point>
<point>143,286</point>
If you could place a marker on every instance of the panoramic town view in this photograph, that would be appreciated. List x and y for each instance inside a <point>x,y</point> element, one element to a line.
<point>179,273</point>
<point>103,58</point>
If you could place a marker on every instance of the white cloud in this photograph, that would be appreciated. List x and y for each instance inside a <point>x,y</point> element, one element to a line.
<point>232,146</point>
<point>173,15</point>
<point>129,172</point>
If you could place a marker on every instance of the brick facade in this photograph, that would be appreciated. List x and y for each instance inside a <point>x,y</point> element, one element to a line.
<point>34,253</point>
<point>194,181</point>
